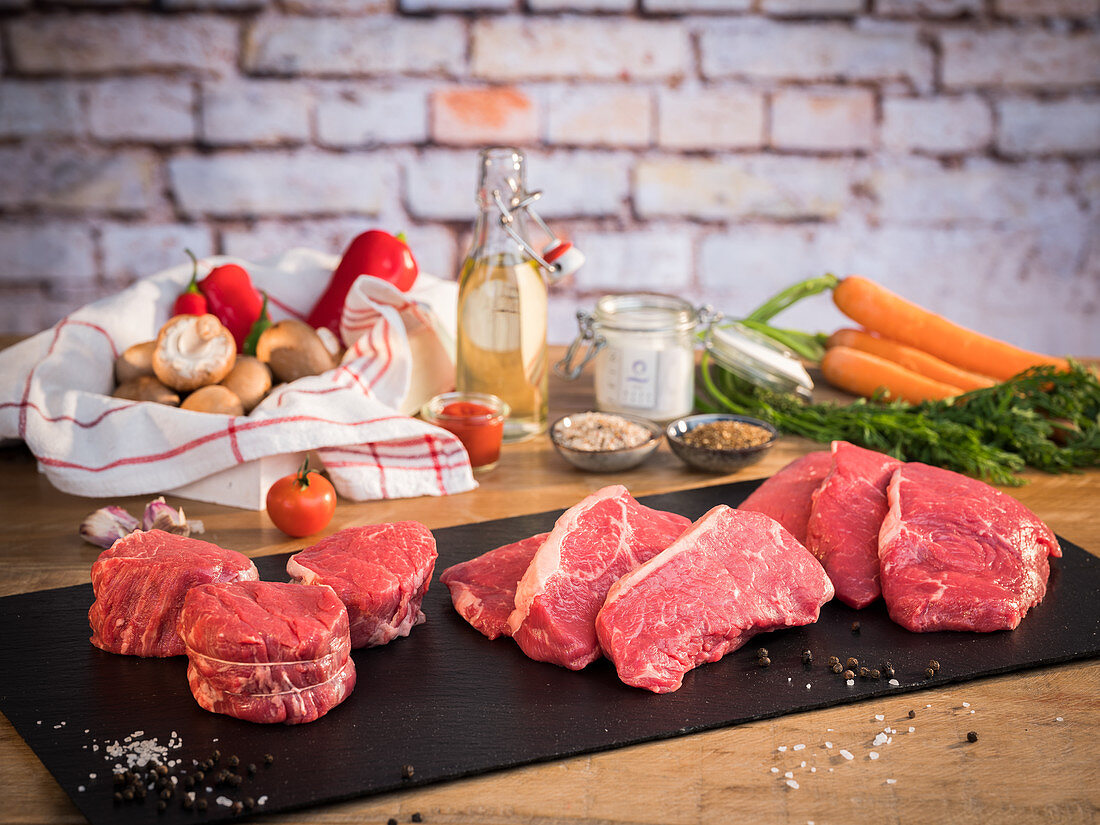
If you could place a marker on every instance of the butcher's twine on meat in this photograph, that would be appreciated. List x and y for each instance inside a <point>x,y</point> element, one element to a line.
<point>56,395</point>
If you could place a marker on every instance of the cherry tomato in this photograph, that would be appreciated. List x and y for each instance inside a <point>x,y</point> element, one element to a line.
<point>301,504</point>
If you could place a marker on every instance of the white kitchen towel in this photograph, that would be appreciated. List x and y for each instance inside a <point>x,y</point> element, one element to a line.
<point>55,395</point>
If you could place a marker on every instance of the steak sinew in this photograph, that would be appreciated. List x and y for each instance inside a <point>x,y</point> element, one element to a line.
<point>592,545</point>
<point>848,509</point>
<point>139,584</point>
<point>267,651</point>
<point>788,495</point>
<point>958,554</point>
<point>483,589</point>
<point>731,575</point>
<point>381,573</point>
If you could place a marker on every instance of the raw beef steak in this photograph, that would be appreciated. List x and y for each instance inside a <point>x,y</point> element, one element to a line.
<point>731,575</point>
<point>788,495</point>
<point>958,554</point>
<point>848,509</point>
<point>139,585</point>
<point>267,651</point>
<point>592,545</point>
<point>483,590</point>
<point>381,573</point>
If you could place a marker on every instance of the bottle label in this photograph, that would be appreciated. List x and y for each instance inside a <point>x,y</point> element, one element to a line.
<point>653,382</point>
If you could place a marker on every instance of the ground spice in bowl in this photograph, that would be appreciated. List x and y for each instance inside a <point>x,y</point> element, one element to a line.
<point>727,435</point>
<point>594,431</point>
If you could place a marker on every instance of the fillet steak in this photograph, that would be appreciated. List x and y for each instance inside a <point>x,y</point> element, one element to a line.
<point>483,589</point>
<point>139,585</point>
<point>958,554</point>
<point>381,573</point>
<point>592,545</point>
<point>847,512</point>
<point>731,575</point>
<point>788,495</point>
<point>267,651</point>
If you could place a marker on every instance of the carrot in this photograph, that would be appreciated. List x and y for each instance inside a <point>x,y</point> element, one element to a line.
<point>891,316</point>
<point>862,373</point>
<point>912,359</point>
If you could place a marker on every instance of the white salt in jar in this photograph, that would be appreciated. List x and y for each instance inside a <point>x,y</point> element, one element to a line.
<point>643,344</point>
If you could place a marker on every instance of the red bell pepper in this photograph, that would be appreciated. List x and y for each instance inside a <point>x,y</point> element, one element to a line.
<point>374,253</point>
<point>231,297</point>
<point>191,301</point>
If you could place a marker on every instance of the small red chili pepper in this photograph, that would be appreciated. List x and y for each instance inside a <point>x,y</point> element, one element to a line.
<point>232,299</point>
<point>191,301</point>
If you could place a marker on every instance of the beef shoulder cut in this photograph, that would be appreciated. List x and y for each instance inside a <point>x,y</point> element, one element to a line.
<point>958,554</point>
<point>267,651</point>
<point>848,509</point>
<point>731,575</point>
<point>381,573</point>
<point>139,585</point>
<point>788,495</point>
<point>592,545</point>
<point>483,589</point>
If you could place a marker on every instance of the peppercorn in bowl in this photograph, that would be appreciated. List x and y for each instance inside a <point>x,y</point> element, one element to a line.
<point>604,442</point>
<point>720,442</point>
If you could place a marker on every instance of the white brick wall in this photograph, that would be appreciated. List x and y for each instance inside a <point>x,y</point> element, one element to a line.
<point>718,149</point>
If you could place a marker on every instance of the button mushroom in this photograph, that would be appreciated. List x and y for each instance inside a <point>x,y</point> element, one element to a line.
<point>192,351</point>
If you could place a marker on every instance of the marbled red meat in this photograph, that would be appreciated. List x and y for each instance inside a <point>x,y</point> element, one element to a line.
<point>848,509</point>
<point>267,651</point>
<point>483,589</point>
<point>381,573</point>
<point>958,554</point>
<point>592,545</point>
<point>731,575</point>
<point>788,495</point>
<point>139,584</point>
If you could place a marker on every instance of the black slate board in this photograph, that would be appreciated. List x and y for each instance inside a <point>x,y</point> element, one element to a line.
<point>451,703</point>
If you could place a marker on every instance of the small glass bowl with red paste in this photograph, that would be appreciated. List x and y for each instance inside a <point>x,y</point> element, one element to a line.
<point>477,419</point>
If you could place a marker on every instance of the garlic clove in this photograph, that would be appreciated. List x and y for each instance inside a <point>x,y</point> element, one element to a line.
<point>107,525</point>
<point>160,516</point>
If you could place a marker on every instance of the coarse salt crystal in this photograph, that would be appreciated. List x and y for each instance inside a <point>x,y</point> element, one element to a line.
<point>224,801</point>
<point>803,764</point>
<point>1059,719</point>
<point>928,706</point>
<point>971,711</point>
<point>799,747</point>
<point>879,740</point>
<point>966,704</point>
<point>879,717</point>
<point>262,800</point>
<point>81,788</point>
<point>775,770</point>
<point>851,682</point>
<point>895,682</point>
<point>792,784</point>
<point>847,755</point>
<point>807,686</point>
<point>872,755</point>
<point>813,770</point>
<point>829,745</point>
<point>891,781</point>
<point>789,774</point>
<point>912,729</point>
<point>782,748</point>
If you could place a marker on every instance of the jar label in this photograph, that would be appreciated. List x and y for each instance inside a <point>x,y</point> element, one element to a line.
<point>653,382</point>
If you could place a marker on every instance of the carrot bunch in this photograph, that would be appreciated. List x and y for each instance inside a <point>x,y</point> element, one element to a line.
<point>907,352</point>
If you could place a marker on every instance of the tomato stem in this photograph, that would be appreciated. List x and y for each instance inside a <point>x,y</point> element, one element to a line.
<point>303,474</point>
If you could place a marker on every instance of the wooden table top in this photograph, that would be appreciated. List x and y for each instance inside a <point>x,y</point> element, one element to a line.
<point>1036,759</point>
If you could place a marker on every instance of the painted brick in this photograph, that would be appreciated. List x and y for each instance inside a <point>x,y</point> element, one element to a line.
<point>276,183</point>
<point>476,117</point>
<point>923,192</point>
<point>86,43</point>
<point>710,119</point>
<point>133,251</point>
<point>815,8</point>
<point>255,113</point>
<point>1022,59</point>
<point>580,184</point>
<point>686,6</point>
<point>1047,8</point>
<point>338,6</point>
<point>148,109</point>
<point>1032,127</point>
<point>772,50</point>
<point>928,8</point>
<point>942,125</point>
<point>512,48</point>
<point>73,180</point>
<point>46,252</point>
<point>657,258</point>
<point>418,6</point>
<point>31,309</point>
<point>760,186</point>
<point>441,185</point>
<point>219,5</point>
<point>359,116</point>
<point>354,46</point>
<point>823,119</point>
<point>599,116</point>
<point>43,108</point>
<point>581,5</point>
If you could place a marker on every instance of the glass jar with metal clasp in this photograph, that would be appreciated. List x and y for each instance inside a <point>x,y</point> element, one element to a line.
<point>643,345</point>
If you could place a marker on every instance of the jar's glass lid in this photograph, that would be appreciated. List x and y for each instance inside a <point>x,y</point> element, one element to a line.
<point>758,359</point>
<point>645,312</point>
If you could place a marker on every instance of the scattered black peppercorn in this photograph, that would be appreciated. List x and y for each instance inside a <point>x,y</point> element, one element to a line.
<point>929,673</point>
<point>763,661</point>
<point>120,778</point>
<point>972,736</point>
<point>407,771</point>
<point>391,821</point>
<point>855,627</point>
<point>199,776</point>
<point>416,817</point>
<point>848,674</point>
<point>188,803</point>
<point>864,673</point>
<point>166,793</point>
<point>876,673</point>
<point>832,660</point>
<point>251,769</point>
<point>852,663</point>
<point>139,792</point>
<point>235,780</point>
<point>761,652</point>
<point>912,714</point>
<point>200,804</point>
<point>233,761</point>
<point>236,808</point>
<point>249,802</point>
<point>188,782</point>
<point>837,667</point>
<point>807,657</point>
<point>268,759</point>
<point>128,794</point>
<point>161,770</point>
<point>216,755</point>
<point>118,797</point>
<point>888,670</point>
<point>162,806</point>
<point>933,665</point>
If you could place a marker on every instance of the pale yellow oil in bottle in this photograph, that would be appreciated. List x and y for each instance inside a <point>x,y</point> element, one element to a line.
<point>502,338</point>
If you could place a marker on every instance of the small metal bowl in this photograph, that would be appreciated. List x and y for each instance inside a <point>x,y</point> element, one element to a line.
<point>712,460</point>
<point>606,461</point>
